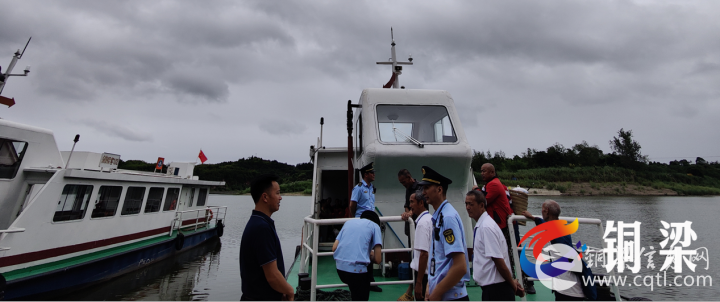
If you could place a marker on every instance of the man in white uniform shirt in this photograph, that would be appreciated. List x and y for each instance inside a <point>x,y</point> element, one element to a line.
<point>423,232</point>
<point>491,261</point>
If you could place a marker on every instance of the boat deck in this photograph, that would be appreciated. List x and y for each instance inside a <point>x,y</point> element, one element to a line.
<point>327,274</point>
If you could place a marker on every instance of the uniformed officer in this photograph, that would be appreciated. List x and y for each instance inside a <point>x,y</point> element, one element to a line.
<point>363,199</point>
<point>357,246</point>
<point>448,262</point>
<point>363,195</point>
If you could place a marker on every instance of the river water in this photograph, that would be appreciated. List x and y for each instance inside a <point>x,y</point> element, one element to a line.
<point>211,271</point>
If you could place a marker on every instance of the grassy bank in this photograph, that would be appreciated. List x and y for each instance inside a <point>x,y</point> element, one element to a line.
<point>610,181</point>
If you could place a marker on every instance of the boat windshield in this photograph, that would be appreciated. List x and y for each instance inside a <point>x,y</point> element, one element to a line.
<point>415,123</point>
<point>11,154</point>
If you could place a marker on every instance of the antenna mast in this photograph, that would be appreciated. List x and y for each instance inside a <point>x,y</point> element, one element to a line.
<point>396,66</point>
<point>17,56</point>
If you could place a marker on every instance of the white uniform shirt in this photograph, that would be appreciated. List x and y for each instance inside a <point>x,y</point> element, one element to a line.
<point>575,290</point>
<point>423,233</point>
<point>489,243</point>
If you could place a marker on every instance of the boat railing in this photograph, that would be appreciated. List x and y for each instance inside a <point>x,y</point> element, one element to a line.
<point>196,218</point>
<point>311,231</point>
<point>591,221</point>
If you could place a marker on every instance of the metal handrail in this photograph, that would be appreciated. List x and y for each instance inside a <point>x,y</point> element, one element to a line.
<point>314,253</point>
<point>200,219</point>
<point>516,260</point>
<point>13,230</point>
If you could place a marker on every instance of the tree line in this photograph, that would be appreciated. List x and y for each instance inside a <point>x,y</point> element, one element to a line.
<point>587,163</point>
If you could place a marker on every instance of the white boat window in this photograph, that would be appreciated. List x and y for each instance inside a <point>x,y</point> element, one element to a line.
<point>414,123</point>
<point>107,201</point>
<point>73,203</point>
<point>154,200</point>
<point>202,197</point>
<point>133,200</point>
<point>11,155</point>
<point>171,199</point>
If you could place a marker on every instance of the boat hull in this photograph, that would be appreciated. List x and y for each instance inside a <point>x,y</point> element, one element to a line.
<point>77,276</point>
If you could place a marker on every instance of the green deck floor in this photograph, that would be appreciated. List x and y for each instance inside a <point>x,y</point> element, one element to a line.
<point>327,274</point>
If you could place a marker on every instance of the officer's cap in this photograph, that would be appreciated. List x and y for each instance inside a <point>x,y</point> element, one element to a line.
<point>369,167</point>
<point>430,177</point>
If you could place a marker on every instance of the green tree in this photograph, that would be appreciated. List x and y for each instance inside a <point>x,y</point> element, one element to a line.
<point>627,148</point>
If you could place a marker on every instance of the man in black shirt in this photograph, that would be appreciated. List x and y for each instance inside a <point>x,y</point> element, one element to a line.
<point>411,186</point>
<point>262,269</point>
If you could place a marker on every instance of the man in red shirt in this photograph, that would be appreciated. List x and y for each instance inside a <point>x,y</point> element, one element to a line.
<point>498,207</point>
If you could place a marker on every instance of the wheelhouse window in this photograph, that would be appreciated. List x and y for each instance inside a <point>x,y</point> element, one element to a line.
<point>133,200</point>
<point>154,200</point>
<point>107,201</point>
<point>202,197</point>
<point>11,155</point>
<point>171,199</point>
<point>73,203</point>
<point>414,124</point>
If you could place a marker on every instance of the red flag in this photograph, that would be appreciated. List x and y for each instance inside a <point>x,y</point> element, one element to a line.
<point>160,162</point>
<point>392,80</point>
<point>202,157</point>
<point>7,101</point>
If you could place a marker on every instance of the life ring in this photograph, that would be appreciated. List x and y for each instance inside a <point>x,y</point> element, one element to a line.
<point>179,241</point>
<point>220,227</point>
<point>209,211</point>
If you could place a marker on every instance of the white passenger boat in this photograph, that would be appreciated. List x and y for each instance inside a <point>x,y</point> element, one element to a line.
<point>68,220</point>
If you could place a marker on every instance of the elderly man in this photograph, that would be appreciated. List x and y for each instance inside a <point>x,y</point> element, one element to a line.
<point>411,185</point>
<point>423,232</point>
<point>579,291</point>
<point>491,260</point>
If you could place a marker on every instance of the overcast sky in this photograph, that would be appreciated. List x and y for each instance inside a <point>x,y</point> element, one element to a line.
<point>239,78</point>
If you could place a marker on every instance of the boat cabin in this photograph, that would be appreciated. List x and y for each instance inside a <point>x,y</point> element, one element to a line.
<point>399,129</point>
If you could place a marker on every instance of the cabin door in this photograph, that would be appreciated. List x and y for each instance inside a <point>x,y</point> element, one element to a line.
<point>186,198</point>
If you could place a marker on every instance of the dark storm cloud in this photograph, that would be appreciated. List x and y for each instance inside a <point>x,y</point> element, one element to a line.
<point>113,130</point>
<point>595,65</point>
<point>207,88</point>
<point>125,44</point>
<point>282,127</point>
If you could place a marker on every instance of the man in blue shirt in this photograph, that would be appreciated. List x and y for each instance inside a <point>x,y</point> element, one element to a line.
<point>448,263</point>
<point>358,242</point>
<point>363,199</point>
<point>363,195</point>
<point>262,270</point>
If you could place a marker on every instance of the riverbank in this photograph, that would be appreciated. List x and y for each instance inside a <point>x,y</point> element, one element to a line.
<point>558,189</point>
<point>600,189</point>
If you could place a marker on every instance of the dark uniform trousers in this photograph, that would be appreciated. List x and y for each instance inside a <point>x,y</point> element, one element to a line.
<point>358,283</point>
<point>502,291</point>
